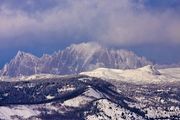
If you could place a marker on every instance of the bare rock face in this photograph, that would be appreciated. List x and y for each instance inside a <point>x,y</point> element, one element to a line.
<point>73,60</point>
<point>22,64</point>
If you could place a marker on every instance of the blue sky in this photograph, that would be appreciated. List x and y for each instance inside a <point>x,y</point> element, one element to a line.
<point>151,28</point>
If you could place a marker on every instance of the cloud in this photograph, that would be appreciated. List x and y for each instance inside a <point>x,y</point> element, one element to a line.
<point>121,22</point>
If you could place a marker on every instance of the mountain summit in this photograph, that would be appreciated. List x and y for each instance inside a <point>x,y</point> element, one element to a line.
<point>73,60</point>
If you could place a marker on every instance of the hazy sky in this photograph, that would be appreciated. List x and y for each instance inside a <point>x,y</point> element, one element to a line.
<point>149,27</point>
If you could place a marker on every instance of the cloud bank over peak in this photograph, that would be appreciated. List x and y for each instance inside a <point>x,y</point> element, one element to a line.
<point>121,22</point>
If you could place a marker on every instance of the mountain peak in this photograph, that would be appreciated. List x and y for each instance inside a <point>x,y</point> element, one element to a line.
<point>21,54</point>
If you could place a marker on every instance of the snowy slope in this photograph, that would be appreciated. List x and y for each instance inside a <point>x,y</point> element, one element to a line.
<point>6,113</point>
<point>31,77</point>
<point>38,76</point>
<point>171,72</point>
<point>111,111</point>
<point>82,97</point>
<point>147,74</point>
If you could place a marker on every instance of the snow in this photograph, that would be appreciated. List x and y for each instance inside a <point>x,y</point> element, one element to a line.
<point>19,87</point>
<point>31,77</point>
<point>49,97</point>
<point>147,74</point>
<point>22,111</point>
<point>72,60</point>
<point>93,93</point>
<point>4,78</point>
<point>85,78</point>
<point>5,94</point>
<point>171,72</point>
<point>83,99</point>
<point>66,88</point>
<point>77,101</point>
<point>111,111</point>
<point>86,49</point>
<point>156,112</point>
<point>38,76</point>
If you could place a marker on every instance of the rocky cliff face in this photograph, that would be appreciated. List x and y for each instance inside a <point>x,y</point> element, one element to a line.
<point>73,60</point>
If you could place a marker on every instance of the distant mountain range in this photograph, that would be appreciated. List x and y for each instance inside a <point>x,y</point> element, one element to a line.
<point>73,60</point>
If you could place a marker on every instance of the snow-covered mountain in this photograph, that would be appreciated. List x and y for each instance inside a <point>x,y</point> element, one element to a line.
<point>146,74</point>
<point>22,64</point>
<point>88,98</point>
<point>73,60</point>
